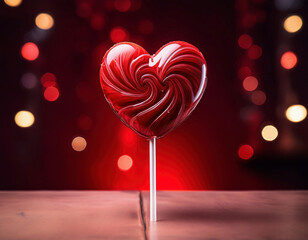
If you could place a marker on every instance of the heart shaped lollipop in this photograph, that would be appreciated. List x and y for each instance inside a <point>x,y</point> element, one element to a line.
<point>153,94</point>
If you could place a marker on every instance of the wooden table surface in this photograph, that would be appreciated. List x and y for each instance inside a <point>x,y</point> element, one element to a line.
<point>80,215</point>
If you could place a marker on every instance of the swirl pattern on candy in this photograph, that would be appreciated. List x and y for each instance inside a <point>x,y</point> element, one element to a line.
<point>153,94</point>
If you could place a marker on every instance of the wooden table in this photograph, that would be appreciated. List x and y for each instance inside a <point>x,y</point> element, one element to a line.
<point>80,215</point>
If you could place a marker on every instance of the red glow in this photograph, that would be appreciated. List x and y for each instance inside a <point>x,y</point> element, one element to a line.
<point>244,72</point>
<point>122,5</point>
<point>146,26</point>
<point>97,22</point>
<point>245,152</point>
<point>84,10</point>
<point>118,34</point>
<point>51,94</point>
<point>250,83</point>
<point>258,97</point>
<point>48,80</point>
<point>245,41</point>
<point>288,60</point>
<point>30,51</point>
<point>84,122</point>
<point>254,52</point>
<point>125,162</point>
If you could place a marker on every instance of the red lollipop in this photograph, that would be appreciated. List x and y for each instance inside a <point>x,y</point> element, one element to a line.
<point>153,94</point>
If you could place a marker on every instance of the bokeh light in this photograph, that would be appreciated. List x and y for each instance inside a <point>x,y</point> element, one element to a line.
<point>118,34</point>
<point>97,22</point>
<point>244,72</point>
<point>250,83</point>
<point>254,52</point>
<point>30,51</point>
<point>44,21</point>
<point>84,122</point>
<point>122,5</point>
<point>79,144</point>
<point>293,23</point>
<point>258,97</point>
<point>48,80</point>
<point>146,26</point>
<point>296,113</point>
<point>245,152</point>
<point>51,94</point>
<point>24,119</point>
<point>245,41</point>
<point>288,60</point>
<point>29,80</point>
<point>125,162</point>
<point>13,3</point>
<point>269,133</point>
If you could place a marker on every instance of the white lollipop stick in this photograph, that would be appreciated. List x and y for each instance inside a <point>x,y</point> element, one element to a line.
<point>153,211</point>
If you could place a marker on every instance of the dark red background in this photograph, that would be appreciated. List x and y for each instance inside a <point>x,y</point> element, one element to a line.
<point>199,154</point>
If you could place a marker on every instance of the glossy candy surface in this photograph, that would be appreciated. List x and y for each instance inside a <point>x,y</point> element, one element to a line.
<point>153,94</point>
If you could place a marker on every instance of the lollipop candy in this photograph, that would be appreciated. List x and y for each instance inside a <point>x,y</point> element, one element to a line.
<point>153,94</point>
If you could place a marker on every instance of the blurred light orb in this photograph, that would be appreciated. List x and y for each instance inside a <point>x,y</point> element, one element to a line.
<point>29,80</point>
<point>79,144</point>
<point>288,60</point>
<point>48,80</point>
<point>250,83</point>
<point>24,119</point>
<point>296,113</point>
<point>118,34</point>
<point>30,51</point>
<point>258,97</point>
<point>244,72</point>
<point>254,52</point>
<point>122,5</point>
<point>269,133</point>
<point>245,152</point>
<point>245,41</point>
<point>293,23</point>
<point>13,3</point>
<point>51,94</point>
<point>125,162</point>
<point>84,122</point>
<point>146,26</point>
<point>44,21</point>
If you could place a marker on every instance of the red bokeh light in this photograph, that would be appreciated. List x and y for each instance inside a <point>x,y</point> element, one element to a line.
<point>258,97</point>
<point>48,80</point>
<point>245,152</point>
<point>118,34</point>
<point>30,51</point>
<point>245,41</point>
<point>97,22</point>
<point>254,52</point>
<point>125,162</point>
<point>122,5</point>
<point>146,26</point>
<point>250,83</point>
<point>244,72</point>
<point>288,60</point>
<point>51,94</point>
<point>84,122</point>
<point>84,9</point>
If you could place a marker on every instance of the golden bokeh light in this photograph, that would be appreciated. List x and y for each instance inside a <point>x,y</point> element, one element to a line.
<point>24,119</point>
<point>269,133</point>
<point>79,144</point>
<point>293,23</point>
<point>44,21</point>
<point>13,3</point>
<point>296,113</point>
